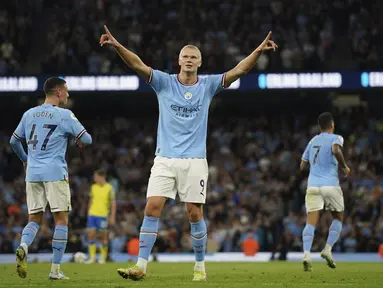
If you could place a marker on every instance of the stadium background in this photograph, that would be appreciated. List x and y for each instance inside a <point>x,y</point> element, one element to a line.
<point>256,136</point>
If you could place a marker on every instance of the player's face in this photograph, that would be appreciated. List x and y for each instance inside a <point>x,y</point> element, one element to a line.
<point>63,94</point>
<point>98,178</point>
<point>190,60</point>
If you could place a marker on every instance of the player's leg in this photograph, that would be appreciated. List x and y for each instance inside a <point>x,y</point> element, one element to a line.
<point>104,241</point>
<point>160,187</point>
<point>36,202</point>
<point>148,236</point>
<point>92,248</point>
<point>314,204</point>
<point>58,195</point>
<point>191,185</point>
<point>199,239</point>
<point>333,197</point>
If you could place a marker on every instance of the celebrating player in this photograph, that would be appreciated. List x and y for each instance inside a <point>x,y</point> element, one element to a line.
<point>47,129</point>
<point>102,200</point>
<point>323,153</point>
<point>180,164</point>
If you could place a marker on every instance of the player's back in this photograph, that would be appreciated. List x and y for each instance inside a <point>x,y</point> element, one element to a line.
<point>323,164</point>
<point>47,136</point>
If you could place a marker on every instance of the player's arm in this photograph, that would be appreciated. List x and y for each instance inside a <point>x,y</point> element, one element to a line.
<point>305,159</point>
<point>113,207</point>
<point>76,129</point>
<point>304,165</point>
<point>16,141</point>
<point>248,63</point>
<point>337,151</point>
<point>130,58</point>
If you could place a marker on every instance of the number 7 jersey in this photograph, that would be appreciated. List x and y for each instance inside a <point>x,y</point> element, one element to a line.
<point>323,164</point>
<point>47,129</point>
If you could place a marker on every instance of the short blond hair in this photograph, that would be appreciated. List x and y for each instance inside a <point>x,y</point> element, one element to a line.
<point>191,47</point>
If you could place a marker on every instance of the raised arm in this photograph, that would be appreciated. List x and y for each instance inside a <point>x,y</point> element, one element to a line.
<point>130,58</point>
<point>248,63</point>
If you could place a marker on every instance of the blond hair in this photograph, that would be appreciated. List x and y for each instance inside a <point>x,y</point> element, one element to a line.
<point>191,47</point>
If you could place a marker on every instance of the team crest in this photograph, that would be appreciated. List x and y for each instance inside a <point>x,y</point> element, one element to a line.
<point>188,95</point>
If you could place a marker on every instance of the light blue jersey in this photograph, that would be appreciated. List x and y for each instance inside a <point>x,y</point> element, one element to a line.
<point>182,125</point>
<point>47,129</point>
<point>323,164</point>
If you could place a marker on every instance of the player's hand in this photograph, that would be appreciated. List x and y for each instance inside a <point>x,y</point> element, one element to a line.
<point>347,171</point>
<point>267,44</point>
<point>79,143</point>
<point>112,221</point>
<point>108,38</point>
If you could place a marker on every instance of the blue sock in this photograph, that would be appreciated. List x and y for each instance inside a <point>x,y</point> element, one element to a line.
<point>29,233</point>
<point>199,239</point>
<point>308,237</point>
<point>60,238</point>
<point>334,232</point>
<point>148,236</point>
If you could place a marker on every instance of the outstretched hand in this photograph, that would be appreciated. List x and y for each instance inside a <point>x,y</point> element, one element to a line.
<point>267,44</point>
<point>108,38</point>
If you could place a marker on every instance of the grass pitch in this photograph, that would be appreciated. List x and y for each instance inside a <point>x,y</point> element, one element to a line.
<point>272,274</point>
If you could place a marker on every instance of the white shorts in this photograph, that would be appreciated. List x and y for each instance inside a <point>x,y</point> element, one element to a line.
<point>56,193</point>
<point>326,197</point>
<point>188,177</point>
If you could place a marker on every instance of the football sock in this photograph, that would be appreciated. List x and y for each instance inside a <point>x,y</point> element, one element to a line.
<point>308,236</point>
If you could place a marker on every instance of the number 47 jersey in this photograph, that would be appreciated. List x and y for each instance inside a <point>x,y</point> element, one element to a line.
<point>323,164</point>
<point>47,129</point>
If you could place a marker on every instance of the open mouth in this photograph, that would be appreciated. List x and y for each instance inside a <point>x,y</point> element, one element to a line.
<point>189,65</point>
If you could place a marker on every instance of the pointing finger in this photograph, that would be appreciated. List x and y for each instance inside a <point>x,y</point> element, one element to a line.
<point>268,36</point>
<point>107,30</point>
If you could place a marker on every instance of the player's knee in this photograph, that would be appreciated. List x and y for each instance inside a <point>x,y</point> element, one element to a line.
<point>61,218</point>
<point>154,206</point>
<point>195,212</point>
<point>338,216</point>
<point>37,218</point>
<point>92,234</point>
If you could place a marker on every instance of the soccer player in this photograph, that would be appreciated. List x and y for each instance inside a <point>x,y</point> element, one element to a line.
<point>46,129</point>
<point>102,200</point>
<point>323,154</point>
<point>180,164</point>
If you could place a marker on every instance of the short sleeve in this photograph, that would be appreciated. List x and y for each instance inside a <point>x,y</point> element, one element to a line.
<point>158,80</point>
<point>19,133</point>
<point>306,154</point>
<point>338,140</point>
<point>216,84</point>
<point>72,126</point>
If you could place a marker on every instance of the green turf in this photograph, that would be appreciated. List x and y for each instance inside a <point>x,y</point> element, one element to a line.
<point>274,274</point>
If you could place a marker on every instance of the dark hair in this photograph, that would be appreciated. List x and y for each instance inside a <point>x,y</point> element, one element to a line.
<point>51,83</point>
<point>325,120</point>
<point>100,172</point>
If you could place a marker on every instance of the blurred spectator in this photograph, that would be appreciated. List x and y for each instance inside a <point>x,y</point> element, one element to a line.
<point>312,35</point>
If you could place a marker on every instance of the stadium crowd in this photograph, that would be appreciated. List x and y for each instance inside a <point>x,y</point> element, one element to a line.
<point>255,187</point>
<point>312,35</point>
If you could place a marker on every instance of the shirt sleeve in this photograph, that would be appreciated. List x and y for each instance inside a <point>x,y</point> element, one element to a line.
<point>72,126</point>
<point>216,84</point>
<point>306,154</point>
<point>158,80</point>
<point>19,133</point>
<point>338,140</point>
